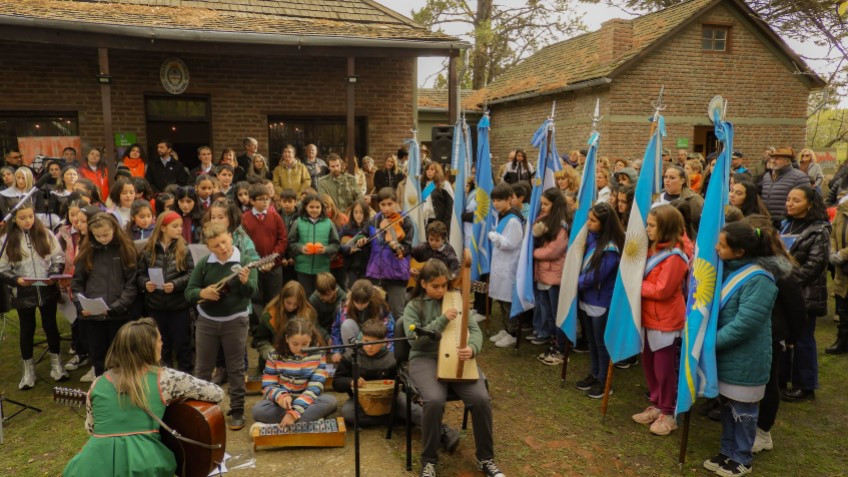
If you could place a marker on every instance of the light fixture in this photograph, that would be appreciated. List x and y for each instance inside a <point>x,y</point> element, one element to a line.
<point>352,79</point>
<point>104,78</point>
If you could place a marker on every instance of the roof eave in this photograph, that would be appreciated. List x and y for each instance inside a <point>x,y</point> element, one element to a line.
<point>275,39</point>
<point>602,81</point>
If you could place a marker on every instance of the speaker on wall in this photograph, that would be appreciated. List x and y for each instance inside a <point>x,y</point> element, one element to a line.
<point>441,144</point>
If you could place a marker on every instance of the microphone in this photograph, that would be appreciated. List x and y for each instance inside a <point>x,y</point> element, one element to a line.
<point>433,335</point>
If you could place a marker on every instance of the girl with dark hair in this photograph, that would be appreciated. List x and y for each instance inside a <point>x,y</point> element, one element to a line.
<point>105,268</point>
<point>364,302</point>
<point>624,203</point>
<point>519,169</point>
<point>313,239</point>
<point>550,232</point>
<point>743,347</point>
<point>187,205</point>
<point>122,196</point>
<point>63,188</point>
<point>142,223</point>
<point>744,196</point>
<point>32,255</point>
<point>293,381</point>
<point>806,233</point>
<point>388,265</point>
<point>663,312</point>
<point>353,236</point>
<point>439,204</point>
<point>69,236</point>
<point>424,312</point>
<point>89,192</point>
<point>595,285</point>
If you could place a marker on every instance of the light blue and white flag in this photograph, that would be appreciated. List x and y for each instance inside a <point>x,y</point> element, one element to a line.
<point>698,375</point>
<point>567,307</point>
<point>523,297</point>
<point>461,166</point>
<point>484,217</point>
<point>412,192</point>
<point>623,336</point>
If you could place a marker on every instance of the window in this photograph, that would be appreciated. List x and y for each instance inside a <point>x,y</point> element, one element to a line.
<point>714,38</point>
<point>39,133</point>
<point>328,133</point>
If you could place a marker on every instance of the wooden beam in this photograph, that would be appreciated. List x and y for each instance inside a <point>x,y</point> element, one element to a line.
<point>350,146</point>
<point>117,42</point>
<point>106,99</point>
<point>453,103</point>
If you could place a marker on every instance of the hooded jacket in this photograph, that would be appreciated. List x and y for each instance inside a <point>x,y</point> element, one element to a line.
<point>630,172</point>
<point>663,303</point>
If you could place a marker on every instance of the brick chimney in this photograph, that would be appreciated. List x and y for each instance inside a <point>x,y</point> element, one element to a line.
<point>616,39</point>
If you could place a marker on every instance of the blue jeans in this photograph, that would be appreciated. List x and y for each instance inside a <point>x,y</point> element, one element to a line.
<point>805,365</point>
<point>595,327</point>
<point>738,429</point>
<point>544,314</point>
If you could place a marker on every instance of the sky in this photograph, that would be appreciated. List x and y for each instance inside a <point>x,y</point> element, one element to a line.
<point>594,16</point>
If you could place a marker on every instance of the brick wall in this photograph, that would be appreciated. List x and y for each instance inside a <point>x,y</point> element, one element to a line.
<point>243,91</point>
<point>758,87</point>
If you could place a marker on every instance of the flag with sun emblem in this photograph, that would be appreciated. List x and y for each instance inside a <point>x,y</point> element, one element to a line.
<point>567,307</point>
<point>461,168</point>
<point>623,336</point>
<point>523,294</point>
<point>412,191</point>
<point>484,217</point>
<point>698,375</point>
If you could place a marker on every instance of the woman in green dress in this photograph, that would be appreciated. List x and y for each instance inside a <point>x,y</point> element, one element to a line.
<point>124,439</point>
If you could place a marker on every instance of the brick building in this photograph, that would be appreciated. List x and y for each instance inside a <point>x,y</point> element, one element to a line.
<point>697,49</point>
<point>340,73</point>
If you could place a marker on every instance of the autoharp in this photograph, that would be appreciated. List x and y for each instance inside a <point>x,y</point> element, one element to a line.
<point>320,433</point>
<point>455,334</point>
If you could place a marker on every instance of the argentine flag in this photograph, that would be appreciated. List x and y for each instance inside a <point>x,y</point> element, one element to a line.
<point>461,165</point>
<point>698,375</point>
<point>484,217</point>
<point>567,307</point>
<point>523,297</point>
<point>412,192</point>
<point>623,336</point>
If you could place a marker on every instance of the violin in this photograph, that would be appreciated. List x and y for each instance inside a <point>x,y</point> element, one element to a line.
<point>393,234</point>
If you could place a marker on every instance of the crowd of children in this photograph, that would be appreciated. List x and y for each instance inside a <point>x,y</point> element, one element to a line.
<point>344,275</point>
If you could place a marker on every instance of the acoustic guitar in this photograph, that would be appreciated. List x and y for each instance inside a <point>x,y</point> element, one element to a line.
<point>223,285</point>
<point>196,420</point>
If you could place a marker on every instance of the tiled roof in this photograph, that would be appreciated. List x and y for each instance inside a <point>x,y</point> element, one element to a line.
<point>335,18</point>
<point>581,59</point>
<point>438,99</point>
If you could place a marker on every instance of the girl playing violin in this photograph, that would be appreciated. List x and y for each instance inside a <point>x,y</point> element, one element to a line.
<point>388,266</point>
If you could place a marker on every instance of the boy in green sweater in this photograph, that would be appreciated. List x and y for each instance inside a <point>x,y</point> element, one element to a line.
<point>222,313</point>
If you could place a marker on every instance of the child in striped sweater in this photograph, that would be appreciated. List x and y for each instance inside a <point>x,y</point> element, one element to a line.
<point>293,382</point>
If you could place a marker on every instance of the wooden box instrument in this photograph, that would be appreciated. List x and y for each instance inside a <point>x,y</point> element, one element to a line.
<point>197,420</point>
<point>375,398</point>
<point>455,334</point>
<point>321,433</point>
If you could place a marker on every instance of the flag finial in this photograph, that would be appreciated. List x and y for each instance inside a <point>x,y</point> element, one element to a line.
<point>596,118</point>
<point>553,111</point>
<point>659,105</point>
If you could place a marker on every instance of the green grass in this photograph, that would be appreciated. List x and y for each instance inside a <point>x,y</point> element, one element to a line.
<point>540,428</point>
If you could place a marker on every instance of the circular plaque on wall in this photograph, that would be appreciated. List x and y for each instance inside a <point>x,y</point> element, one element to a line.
<point>174,75</point>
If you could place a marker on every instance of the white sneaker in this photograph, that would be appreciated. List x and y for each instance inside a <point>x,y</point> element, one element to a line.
<point>88,377</point>
<point>76,362</point>
<point>499,336</point>
<point>762,441</point>
<point>507,341</point>
<point>478,317</point>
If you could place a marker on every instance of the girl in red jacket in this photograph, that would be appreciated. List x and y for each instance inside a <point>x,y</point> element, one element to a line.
<point>551,238</point>
<point>663,312</point>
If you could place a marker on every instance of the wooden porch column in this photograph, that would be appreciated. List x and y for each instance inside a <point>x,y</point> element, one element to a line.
<point>350,147</point>
<point>453,100</point>
<point>106,99</point>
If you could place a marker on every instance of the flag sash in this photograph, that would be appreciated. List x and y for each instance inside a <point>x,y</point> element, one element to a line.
<point>735,280</point>
<point>658,258</point>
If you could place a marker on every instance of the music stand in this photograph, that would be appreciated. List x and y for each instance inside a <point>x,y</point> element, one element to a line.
<point>355,346</point>
<point>3,418</point>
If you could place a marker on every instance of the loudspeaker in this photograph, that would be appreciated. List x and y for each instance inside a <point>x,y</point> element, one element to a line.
<point>441,145</point>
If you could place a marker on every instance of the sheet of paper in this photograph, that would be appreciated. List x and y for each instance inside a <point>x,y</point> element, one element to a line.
<point>67,309</point>
<point>139,244</point>
<point>222,469</point>
<point>94,306</point>
<point>157,276</point>
<point>198,252</point>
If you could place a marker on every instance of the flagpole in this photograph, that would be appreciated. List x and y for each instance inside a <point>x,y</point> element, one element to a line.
<point>607,387</point>
<point>684,440</point>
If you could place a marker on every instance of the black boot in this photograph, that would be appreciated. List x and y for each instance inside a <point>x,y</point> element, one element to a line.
<point>840,346</point>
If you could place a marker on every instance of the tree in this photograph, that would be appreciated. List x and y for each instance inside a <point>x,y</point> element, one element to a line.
<point>827,128</point>
<point>501,32</point>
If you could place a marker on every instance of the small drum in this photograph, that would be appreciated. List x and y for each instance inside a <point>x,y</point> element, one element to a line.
<point>375,398</point>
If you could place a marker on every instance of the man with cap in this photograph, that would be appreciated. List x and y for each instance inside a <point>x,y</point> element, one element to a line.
<point>666,155</point>
<point>736,162</point>
<point>780,181</point>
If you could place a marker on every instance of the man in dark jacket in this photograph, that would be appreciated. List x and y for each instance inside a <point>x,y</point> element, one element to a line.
<point>165,170</point>
<point>782,179</point>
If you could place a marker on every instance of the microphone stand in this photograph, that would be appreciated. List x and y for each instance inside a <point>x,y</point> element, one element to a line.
<point>355,346</point>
